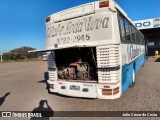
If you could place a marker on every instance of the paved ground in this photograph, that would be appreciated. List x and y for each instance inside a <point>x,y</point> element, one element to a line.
<point>22,87</point>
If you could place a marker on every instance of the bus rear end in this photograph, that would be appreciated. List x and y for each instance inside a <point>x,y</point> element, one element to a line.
<point>85,58</point>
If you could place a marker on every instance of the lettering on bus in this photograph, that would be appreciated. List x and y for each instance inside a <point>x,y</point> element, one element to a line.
<point>134,51</point>
<point>82,25</point>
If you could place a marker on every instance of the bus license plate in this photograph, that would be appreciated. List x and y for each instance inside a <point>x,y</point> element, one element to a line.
<point>74,87</point>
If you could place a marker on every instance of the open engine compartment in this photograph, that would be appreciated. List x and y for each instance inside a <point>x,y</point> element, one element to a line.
<point>77,64</point>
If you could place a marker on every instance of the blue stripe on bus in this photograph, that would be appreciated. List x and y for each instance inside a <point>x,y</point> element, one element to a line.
<point>127,71</point>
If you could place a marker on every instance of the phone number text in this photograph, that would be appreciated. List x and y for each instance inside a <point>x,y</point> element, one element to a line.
<point>77,38</point>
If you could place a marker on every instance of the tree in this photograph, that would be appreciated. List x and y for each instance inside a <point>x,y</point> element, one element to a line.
<point>21,54</point>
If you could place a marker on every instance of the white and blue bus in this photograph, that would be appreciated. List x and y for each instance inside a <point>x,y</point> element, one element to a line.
<point>96,51</point>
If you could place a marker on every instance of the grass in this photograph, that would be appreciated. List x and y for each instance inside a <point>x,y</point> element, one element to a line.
<point>25,60</point>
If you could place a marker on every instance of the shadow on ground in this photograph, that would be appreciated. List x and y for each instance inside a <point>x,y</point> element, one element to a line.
<point>45,111</point>
<point>157,60</point>
<point>2,99</point>
<point>46,77</point>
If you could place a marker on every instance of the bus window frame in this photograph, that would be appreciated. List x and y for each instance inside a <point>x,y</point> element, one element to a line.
<point>138,35</point>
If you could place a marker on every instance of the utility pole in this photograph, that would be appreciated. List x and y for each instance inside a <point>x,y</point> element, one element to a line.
<point>1,57</point>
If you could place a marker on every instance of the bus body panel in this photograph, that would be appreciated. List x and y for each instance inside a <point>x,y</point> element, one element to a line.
<point>127,71</point>
<point>81,31</point>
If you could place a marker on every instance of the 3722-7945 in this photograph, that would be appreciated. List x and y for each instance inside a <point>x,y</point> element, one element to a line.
<point>77,38</point>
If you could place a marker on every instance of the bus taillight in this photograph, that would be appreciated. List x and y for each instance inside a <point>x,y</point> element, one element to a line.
<point>104,3</point>
<point>48,19</point>
<point>116,90</point>
<point>106,91</point>
<point>60,83</point>
<point>106,86</point>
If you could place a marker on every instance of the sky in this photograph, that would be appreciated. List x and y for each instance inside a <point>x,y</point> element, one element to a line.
<point>22,22</point>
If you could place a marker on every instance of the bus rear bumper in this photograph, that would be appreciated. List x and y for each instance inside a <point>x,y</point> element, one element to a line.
<point>85,90</point>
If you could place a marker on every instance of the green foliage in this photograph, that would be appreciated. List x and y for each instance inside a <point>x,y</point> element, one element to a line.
<point>21,54</point>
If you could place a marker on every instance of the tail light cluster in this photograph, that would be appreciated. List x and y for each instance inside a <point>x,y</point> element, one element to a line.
<point>106,91</point>
<point>104,3</point>
<point>110,91</point>
<point>115,90</point>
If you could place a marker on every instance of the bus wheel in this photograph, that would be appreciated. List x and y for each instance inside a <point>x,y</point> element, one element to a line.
<point>133,78</point>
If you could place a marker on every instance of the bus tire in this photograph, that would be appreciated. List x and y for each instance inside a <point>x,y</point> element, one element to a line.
<point>133,78</point>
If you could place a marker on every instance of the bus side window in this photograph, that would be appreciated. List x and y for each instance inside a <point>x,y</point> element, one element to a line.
<point>137,37</point>
<point>133,35</point>
<point>140,38</point>
<point>143,42</point>
<point>121,25</point>
<point>127,31</point>
<point>130,33</point>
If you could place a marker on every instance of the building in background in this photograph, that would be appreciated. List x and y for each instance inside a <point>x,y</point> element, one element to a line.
<point>151,30</point>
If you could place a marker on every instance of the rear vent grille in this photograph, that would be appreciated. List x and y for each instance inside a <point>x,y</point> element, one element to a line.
<point>107,60</point>
<point>108,76</point>
<point>52,72</point>
<point>108,56</point>
<point>51,61</point>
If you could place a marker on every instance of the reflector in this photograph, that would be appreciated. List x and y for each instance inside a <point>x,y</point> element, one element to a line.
<point>106,86</point>
<point>48,19</point>
<point>103,4</point>
<point>106,91</point>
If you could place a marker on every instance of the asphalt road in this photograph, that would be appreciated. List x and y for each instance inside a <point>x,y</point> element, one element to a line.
<point>22,87</point>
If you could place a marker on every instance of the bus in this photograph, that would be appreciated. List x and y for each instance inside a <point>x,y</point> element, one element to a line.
<point>96,51</point>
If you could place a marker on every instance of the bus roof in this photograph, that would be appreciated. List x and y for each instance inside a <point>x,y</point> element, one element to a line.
<point>84,9</point>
